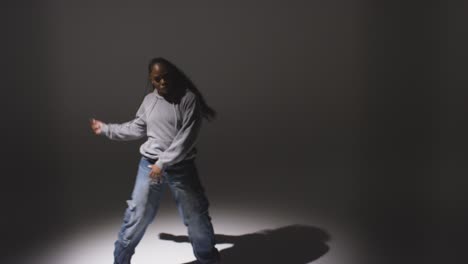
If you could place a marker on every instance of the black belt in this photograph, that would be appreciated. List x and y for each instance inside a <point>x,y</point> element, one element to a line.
<point>180,162</point>
<point>150,159</point>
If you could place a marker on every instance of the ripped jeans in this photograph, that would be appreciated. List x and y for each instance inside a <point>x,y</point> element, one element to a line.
<point>192,204</point>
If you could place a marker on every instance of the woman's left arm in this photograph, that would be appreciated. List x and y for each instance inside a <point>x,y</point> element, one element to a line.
<point>186,137</point>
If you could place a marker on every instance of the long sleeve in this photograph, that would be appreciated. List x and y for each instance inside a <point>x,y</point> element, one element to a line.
<point>186,137</point>
<point>130,130</point>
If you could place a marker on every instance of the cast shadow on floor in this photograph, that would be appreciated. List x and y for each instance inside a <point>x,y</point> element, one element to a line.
<point>293,244</point>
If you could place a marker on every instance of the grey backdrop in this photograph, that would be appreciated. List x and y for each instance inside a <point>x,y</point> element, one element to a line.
<point>348,108</point>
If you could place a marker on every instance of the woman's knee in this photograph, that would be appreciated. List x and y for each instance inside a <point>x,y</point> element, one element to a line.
<point>194,210</point>
<point>134,222</point>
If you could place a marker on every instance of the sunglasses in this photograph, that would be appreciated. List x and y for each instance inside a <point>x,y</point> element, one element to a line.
<point>165,76</point>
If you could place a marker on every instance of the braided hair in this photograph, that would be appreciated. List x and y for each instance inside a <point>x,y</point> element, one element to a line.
<point>207,112</point>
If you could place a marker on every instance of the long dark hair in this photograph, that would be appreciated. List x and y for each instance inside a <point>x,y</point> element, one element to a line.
<point>207,112</point>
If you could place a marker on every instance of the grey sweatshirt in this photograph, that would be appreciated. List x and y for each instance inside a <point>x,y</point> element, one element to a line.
<point>171,128</point>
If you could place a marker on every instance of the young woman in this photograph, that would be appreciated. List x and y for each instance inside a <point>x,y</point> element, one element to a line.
<point>170,117</point>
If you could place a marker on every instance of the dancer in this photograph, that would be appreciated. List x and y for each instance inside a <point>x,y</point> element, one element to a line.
<point>171,118</point>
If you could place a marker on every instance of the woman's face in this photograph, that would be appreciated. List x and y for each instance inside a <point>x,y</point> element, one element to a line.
<point>161,79</point>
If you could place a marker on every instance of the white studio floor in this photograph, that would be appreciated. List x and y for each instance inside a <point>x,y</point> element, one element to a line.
<point>93,244</point>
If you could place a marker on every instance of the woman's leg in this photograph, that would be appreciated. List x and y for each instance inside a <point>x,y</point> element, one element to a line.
<point>141,210</point>
<point>193,207</point>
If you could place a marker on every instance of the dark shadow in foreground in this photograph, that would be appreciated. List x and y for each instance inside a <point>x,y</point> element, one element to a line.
<point>294,244</point>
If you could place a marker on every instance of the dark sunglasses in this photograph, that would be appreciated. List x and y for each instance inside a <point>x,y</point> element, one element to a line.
<point>163,76</point>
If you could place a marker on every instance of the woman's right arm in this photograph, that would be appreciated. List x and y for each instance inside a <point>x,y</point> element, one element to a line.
<point>130,130</point>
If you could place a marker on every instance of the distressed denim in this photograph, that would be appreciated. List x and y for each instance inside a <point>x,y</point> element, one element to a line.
<point>192,204</point>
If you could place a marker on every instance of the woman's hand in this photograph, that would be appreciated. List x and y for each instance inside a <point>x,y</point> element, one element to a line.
<point>156,173</point>
<point>96,126</point>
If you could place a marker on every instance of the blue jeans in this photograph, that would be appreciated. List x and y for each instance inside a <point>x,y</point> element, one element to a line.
<point>192,204</point>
